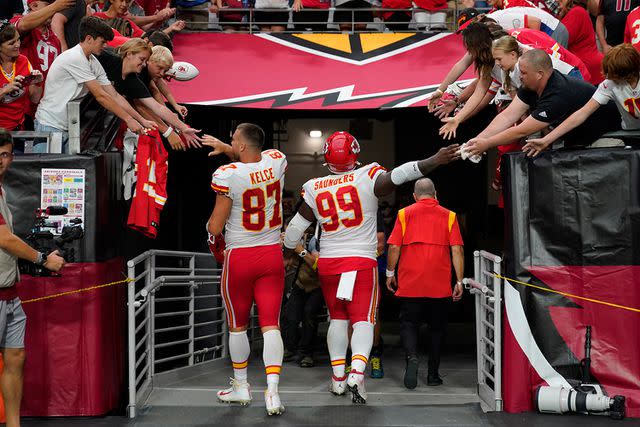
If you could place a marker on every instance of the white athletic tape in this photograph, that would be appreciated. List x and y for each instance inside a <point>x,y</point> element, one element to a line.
<point>406,173</point>
<point>295,231</point>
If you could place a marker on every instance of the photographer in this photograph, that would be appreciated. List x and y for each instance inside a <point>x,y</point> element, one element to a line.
<point>12,317</point>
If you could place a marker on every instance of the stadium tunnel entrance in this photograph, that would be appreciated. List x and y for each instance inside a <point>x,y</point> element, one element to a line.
<point>389,137</point>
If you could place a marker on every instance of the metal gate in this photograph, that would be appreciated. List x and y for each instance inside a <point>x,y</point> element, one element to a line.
<point>175,317</point>
<point>487,289</point>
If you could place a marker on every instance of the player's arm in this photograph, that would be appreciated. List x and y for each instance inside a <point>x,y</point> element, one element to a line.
<point>219,147</point>
<point>410,171</point>
<point>296,228</point>
<point>219,215</point>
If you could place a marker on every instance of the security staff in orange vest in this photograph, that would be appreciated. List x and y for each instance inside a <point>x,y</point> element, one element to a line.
<point>423,234</point>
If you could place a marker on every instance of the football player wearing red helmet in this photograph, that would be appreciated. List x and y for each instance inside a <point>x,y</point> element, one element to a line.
<point>345,204</point>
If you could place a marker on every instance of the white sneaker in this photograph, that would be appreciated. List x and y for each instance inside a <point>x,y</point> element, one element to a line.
<point>338,386</point>
<point>355,384</point>
<point>239,392</point>
<point>272,401</point>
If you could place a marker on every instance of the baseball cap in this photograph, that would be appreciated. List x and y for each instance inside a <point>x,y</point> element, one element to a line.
<point>465,18</point>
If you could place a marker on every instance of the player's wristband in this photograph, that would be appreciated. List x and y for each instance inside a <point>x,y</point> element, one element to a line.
<point>168,132</point>
<point>390,273</point>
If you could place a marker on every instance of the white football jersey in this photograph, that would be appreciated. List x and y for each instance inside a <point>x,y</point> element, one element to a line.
<point>256,192</point>
<point>346,208</point>
<point>516,17</point>
<point>627,100</point>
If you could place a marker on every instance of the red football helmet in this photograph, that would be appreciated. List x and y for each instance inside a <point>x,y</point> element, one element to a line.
<point>341,152</point>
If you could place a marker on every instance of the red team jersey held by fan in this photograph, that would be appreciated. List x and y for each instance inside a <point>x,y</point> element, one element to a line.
<point>632,28</point>
<point>14,105</point>
<point>346,207</point>
<point>539,40</point>
<point>41,48</point>
<point>151,186</point>
<point>253,267</point>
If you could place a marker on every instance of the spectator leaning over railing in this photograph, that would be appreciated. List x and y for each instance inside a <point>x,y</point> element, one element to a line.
<point>621,65</point>
<point>73,75</point>
<point>19,83</point>
<point>270,21</point>
<point>582,38</point>
<point>345,17</point>
<point>159,63</point>
<point>38,41</point>
<point>549,97</point>
<point>118,18</point>
<point>533,18</point>
<point>126,69</point>
<point>158,38</point>
<point>315,19</point>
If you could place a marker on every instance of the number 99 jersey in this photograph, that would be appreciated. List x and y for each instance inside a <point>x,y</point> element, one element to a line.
<point>346,207</point>
<point>256,192</point>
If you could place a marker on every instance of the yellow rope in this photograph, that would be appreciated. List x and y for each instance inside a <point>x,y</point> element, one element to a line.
<point>91,288</point>
<point>596,301</point>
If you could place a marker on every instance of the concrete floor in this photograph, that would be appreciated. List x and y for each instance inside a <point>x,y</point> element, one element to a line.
<point>187,398</point>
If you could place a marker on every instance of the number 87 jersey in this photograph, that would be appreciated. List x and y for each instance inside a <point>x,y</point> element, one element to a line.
<point>256,193</point>
<point>346,207</point>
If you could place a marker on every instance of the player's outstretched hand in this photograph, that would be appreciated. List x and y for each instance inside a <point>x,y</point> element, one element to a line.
<point>218,146</point>
<point>448,154</point>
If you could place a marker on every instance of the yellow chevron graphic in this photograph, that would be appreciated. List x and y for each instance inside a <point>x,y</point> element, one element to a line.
<point>375,41</point>
<point>333,41</point>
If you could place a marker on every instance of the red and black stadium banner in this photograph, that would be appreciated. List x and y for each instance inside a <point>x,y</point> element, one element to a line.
<point>572,225</point>
<point>315,71</point>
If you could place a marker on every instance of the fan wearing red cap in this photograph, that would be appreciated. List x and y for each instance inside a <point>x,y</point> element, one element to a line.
<point>345,204</point>
<point>38,42</point>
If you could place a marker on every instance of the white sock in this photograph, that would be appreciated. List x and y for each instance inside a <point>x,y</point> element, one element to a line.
<point>361,343</point>
<point>338,341</point>
<point>272,354</point>
<point>239,351</point>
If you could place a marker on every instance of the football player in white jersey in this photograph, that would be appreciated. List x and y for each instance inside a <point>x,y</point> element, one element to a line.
<point>345,204</point>
<point>621,67</point>
<point>249,208</point>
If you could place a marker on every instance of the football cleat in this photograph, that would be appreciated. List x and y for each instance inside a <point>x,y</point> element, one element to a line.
<point>338,386</point>
<point>341,152</point>
<point>272,401</point>
<point>355,384</point>
<point>239,392</point>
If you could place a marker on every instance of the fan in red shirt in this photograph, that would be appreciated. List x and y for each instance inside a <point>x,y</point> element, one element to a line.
<point>632,28</point>
<point>582,38</point>
<point>19,83</point>
<point>37,41</point>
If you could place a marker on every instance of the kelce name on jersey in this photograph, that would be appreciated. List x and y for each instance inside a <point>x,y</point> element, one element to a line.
<point>262,176</point>
<point>333,181</point>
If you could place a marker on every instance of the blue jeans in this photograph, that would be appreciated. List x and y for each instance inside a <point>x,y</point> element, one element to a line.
<point>576,74</point>
<point>42,148</point>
